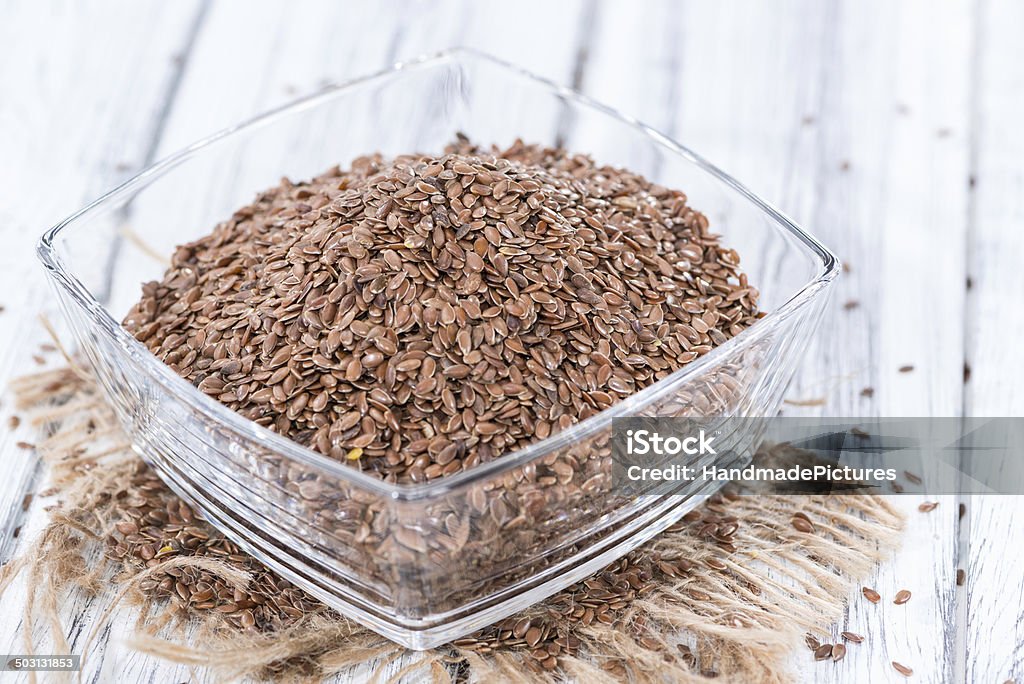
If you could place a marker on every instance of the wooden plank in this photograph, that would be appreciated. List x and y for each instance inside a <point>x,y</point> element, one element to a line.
<point>66,138</point>
<point>822,108</point>
<point>993,595</point>
<point>78,116</point>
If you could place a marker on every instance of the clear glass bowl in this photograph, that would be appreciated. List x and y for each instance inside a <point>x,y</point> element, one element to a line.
<point>422,563</point>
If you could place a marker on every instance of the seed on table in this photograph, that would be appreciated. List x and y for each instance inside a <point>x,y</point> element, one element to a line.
<point>812,642</point>
<point>650,643</point>
<point>902,596</point>
<point>202,595</point>
<point>963,510</point>
<point>916,479</point>
<point>715,563</point>
<point>127,528</point>
<point>838,652</point>
<point>823,652</point>
<point>961,577</point>
<point>521,627</point>
<point>802,525</point>
<point>871,594</point>
<point>853,637</point>
<point>902,669</point>
<point>928,506</point>
<point>697,594</point>
<point>727,530</point>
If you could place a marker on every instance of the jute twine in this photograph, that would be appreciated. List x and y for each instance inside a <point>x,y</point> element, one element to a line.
<point>739,623</point>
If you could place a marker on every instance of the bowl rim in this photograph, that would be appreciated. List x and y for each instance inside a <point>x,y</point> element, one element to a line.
<point>827,262</point>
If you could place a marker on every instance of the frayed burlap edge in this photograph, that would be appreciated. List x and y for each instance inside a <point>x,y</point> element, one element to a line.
<point>743,622</point>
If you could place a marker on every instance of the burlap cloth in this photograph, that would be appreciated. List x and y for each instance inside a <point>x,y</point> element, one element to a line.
<point>738,619</point>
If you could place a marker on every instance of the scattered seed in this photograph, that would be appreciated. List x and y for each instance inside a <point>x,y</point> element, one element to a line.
<point>823,652</point>
<point>802,525</point>
<point>715,564</point>
<point>871,594</point>
<point>533,636</point>
<point>838,652</point>
<point>902,669</point>
<point>912,477</point>
<point>902,596</point>
<point>928,506</point>
<point>961,577</point>
<point>853,637</point>
<point>906,369</point>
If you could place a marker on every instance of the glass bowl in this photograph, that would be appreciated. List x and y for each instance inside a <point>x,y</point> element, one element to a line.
<point>425,563</point>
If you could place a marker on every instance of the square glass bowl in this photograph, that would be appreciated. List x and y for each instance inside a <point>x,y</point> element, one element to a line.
<point>425,563</point>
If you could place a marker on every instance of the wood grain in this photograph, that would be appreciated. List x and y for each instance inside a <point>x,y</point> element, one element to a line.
<point>92,89</point>
<point>862,120</point>
<point>822,108</point>
<point>65,138</point>
<point>992,614</point>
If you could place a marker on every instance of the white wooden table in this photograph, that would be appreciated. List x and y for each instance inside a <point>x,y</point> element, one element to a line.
<point>891,130</point>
